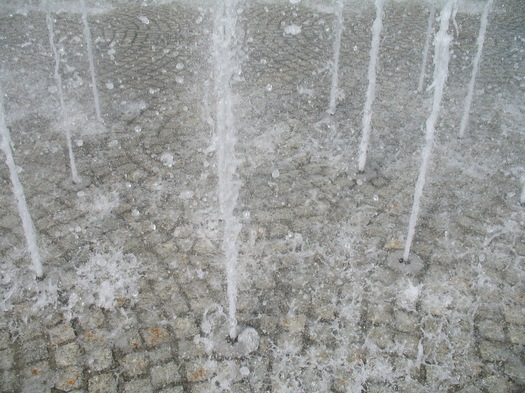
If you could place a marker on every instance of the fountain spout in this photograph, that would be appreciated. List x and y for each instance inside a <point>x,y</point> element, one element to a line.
<point>441,60</point>
<point>18,191</point>
<point>475,67</point>
<point>229,185</point>
<point>371,91</point>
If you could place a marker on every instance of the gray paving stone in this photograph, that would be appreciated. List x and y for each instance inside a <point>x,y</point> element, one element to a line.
<point>9,380</point>
<point>205,387</point>
<point>69,378</point>
<point>30,331</point>
<point>93,339</point>
<point>515,369</point>
<point>495,383</point>
<point>189,349</point>
<point>493,351</point>
<point>138,386</point>
<point>7,359</point>
<point>492,330</point>
<point>135,364</point>
<point>68,355</point>
<point>129,341</point>
<point>155,336</point>
<point>100,359</point>
<point>95,320</point>
<point>199,370</point>
<point>61,334</point>
<point>406,322</point>
<point>161,354</point>
<point>4,339</point>
<point>162,375</point>
<point>36,378</point>
<point>35,350</point>
<point>513,314</point>
<point>102,383</point>
<point>175,389</point>
<point>185,327</point>
<point>469,389</point>
<point>381,335</point>
<point>517,334</point>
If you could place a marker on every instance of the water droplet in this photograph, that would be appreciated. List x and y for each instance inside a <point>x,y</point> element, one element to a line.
<point>269,87</point>
<point>275,173</point>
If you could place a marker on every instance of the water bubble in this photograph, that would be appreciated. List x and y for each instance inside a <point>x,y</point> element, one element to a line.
<point>275,173</point>
<point>138,129</point>
<point>144,20</point>
<point>269,87</point>
<point>179,66</point>
<point>167,159</point>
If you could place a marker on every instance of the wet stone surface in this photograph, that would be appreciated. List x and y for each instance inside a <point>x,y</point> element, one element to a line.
<point>134,295</point>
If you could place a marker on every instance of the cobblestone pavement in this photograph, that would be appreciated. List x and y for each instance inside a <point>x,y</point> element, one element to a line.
<point>134,281</point>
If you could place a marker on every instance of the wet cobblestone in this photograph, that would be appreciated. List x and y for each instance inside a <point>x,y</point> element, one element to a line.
<point>133,255</point>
